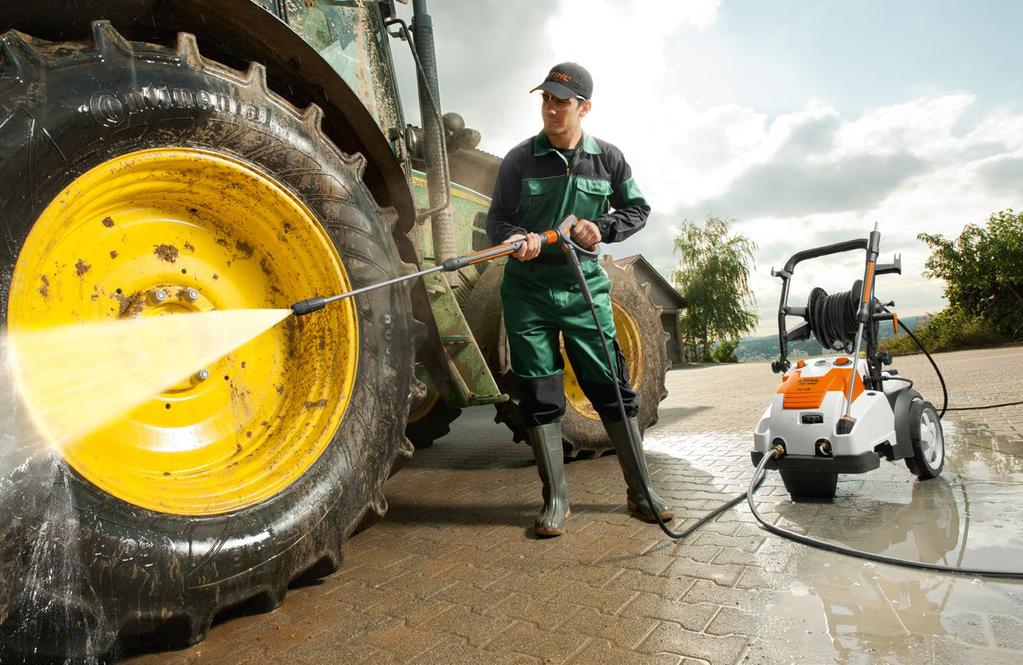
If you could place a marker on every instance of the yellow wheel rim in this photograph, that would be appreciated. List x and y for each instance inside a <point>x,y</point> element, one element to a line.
<point>210,232</point>
<point>632,348</point>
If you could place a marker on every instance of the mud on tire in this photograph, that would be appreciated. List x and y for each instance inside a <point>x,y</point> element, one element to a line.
<point>65,108</point>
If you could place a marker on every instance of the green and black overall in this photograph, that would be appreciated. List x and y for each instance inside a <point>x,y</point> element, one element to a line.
<point>537,187</point>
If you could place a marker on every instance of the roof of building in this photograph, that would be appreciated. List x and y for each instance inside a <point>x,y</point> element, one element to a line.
<point>661,289</point>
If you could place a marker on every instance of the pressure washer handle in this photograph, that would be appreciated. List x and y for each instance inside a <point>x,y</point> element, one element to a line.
<point>873,249</point>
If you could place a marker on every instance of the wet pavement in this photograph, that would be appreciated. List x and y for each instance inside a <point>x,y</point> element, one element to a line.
<point>453,575</point>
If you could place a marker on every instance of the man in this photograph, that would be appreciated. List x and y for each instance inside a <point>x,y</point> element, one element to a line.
<point>563,171</point>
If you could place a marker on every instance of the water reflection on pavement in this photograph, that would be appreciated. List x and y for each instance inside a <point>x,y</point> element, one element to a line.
<point>847,610</point>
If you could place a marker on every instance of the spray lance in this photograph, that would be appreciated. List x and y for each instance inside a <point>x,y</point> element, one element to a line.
<point>560,235</point>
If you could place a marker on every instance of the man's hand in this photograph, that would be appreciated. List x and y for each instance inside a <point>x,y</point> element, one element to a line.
<point>586,234</point>
<point>529,249</point>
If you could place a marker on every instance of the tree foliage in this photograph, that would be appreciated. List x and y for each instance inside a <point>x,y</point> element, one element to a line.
<point>713,276</point>
<point>983,271</point>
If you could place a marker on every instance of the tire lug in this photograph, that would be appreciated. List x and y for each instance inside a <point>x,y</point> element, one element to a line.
<point>158,296</point>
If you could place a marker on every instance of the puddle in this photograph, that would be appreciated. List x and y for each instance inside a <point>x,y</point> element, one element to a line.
<point>853,611</point>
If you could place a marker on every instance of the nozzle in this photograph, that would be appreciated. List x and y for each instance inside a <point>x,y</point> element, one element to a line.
<point>777,450</point>
<point>303,307</point>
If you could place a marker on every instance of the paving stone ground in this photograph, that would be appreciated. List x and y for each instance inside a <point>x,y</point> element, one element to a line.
<point>453,574</point>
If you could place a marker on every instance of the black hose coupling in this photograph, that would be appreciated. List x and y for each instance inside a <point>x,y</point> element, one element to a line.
<point>303,307</point>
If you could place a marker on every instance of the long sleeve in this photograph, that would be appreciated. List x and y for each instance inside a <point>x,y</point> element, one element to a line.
<point>504,202</point>
<point>629,209</point>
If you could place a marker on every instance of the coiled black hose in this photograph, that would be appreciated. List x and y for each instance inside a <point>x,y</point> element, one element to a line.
<point>832,318</point>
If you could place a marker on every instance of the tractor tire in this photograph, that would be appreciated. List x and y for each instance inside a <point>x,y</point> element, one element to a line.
<point>640,334</point>
<point>432,425</point>
<point>429,418</point>
<point>183,145</point>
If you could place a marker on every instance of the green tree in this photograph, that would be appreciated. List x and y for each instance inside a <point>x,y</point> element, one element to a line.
<point>713,276</point>
<point>983,271</point>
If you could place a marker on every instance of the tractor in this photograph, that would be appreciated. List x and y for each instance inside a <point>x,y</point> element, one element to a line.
<point>247,154</point>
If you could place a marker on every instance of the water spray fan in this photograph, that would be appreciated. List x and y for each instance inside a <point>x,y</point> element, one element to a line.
<point>842,414</point>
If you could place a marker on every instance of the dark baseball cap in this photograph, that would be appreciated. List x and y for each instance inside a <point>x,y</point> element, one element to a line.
<point>567,80</point>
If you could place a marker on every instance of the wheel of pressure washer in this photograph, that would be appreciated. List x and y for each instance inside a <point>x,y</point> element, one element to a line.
<point>928,441</point>
<point>129,167</point>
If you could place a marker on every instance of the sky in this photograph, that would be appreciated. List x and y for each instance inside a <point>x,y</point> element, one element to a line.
<point>803,122</point>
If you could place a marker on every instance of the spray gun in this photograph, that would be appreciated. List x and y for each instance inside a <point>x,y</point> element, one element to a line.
<point>560,235</point>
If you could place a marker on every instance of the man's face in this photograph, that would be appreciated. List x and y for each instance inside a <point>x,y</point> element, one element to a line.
<point>562,116</point>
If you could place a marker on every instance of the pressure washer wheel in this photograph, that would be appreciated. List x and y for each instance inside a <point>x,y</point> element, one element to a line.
<point>130,169</point>
<point>928,441</point>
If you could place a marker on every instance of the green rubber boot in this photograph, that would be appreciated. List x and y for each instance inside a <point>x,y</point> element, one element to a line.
<point>550,464</point>
<point>636,474</point>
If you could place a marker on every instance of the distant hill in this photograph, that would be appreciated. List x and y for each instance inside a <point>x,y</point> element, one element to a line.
<point>761,348</point>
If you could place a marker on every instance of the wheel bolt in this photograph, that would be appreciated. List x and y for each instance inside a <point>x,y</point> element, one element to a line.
<point>191,294</point>
<point>202,375</point>
<point>158,296</point>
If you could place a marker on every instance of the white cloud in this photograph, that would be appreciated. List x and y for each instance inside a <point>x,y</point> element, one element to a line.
<point>811,177</point>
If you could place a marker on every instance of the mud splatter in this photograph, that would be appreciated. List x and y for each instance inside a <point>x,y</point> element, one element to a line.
<point>190,247</point>
<point>113,253</point>
<point>130,305</point>
<point>244,247</point>
<point>318,404</point>
<point>287,228</point>
<point>223,242</point>
<point>264,265</point>
<point>82,267</point>
<point>44,288</point>
<point>107,222</point>
<point>280,390</point>
<point>216,276</point>
<point>168,253</point>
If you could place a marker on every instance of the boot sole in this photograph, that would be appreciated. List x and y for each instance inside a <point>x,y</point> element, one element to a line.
<point>666,516</point>
<point>550,532</point>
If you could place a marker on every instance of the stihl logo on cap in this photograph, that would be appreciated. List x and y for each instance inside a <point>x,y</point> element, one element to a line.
<point>559,76</point>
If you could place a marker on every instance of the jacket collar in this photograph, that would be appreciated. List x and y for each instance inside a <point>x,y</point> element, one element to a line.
<point>542,145</point>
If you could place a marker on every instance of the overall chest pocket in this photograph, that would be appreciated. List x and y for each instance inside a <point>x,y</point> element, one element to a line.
<point>591,198</point>
<point>539,203</point>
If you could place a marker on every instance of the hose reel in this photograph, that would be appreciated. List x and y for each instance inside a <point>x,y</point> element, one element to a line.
<point>832,318</point>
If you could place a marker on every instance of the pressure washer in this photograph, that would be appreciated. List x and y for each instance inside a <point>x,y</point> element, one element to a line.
<point>841,414</point>
<point>830,415</point>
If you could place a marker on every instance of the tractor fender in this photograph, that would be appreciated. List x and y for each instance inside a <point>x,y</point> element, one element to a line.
<point>235,32</point>
<point>901,407</point>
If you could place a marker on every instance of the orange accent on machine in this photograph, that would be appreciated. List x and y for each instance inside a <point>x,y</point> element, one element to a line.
<point>808,392</point>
